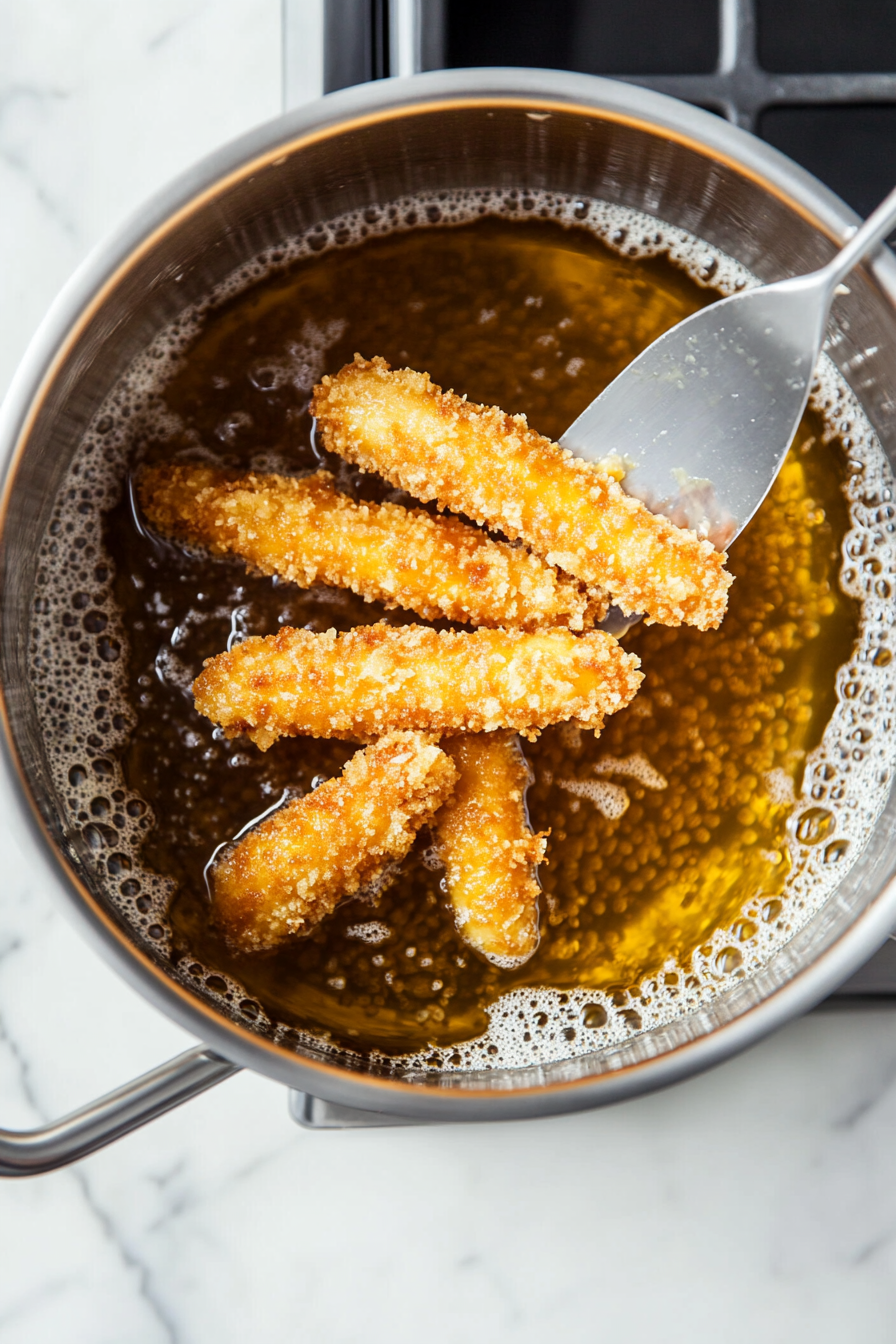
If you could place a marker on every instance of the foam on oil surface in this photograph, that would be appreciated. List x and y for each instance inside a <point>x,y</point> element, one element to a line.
<point>79,648</point>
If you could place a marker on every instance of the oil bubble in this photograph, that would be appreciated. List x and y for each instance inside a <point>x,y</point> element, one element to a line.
<point>813,825</point>
<point>835,851</point>
<point>728,960</point>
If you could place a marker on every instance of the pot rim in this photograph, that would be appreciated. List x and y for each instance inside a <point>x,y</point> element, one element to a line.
<point>101,271</point>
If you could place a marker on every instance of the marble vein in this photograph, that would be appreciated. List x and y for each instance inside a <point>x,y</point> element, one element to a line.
<point>25,1304</point>
<point>474,1262</point>
<point>18,161</point>
<point>9,946</point>
<point>871,1248</point>
<point>140,1268</point>
<point>879,1085</point>
<point>23,1068</point>
<point>162,37</point>
<point>200,1200</point>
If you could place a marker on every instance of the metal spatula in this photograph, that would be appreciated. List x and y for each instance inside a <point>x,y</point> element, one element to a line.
<point>703,418</point>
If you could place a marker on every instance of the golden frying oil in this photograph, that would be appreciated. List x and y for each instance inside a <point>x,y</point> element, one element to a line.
<point>662,829</point>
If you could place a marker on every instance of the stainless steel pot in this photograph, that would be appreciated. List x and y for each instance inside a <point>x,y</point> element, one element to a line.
<point>589,136</point>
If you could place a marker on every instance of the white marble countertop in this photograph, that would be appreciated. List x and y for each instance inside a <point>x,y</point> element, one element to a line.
<point>756,1202</point>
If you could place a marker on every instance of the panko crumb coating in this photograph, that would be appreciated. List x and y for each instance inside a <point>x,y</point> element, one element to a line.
<point>291,871</point>
<point>495,469</point>
<point>489,851</point>
<point>378,678</point>
<point>305,530</point>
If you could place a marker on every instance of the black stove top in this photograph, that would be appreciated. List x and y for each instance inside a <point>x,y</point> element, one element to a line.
<point>808,76</point>
<point>814,78</point>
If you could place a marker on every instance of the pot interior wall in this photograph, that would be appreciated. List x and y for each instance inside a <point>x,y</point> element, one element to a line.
<point>433,147</point>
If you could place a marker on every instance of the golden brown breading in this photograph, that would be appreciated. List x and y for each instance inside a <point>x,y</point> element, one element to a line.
<point>377,678</point>
<point>488,848</point>
<point>491,466</point>
<point>306,531</point>
<point>290,872</point>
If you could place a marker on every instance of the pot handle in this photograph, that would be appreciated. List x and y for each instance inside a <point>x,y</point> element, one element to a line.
<point>33,1151</point>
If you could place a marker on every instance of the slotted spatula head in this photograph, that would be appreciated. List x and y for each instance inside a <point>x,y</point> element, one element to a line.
<point>703,418</point>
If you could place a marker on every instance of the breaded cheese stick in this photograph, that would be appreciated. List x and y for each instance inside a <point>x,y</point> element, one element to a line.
<point>305,530</point>
<point>491,466</point>
<point>292,870</point>
<point>377,678</point>
<point>489,851</point>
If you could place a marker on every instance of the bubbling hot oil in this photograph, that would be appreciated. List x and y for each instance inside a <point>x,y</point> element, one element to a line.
<point>686,844</point>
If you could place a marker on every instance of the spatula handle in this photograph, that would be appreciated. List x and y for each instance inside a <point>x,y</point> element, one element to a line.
<point>876,227</point>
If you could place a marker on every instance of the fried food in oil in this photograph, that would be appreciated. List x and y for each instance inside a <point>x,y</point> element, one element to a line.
<point>378,678</point>
<point>478,461</point>
<point>488,849</point>
<point>292,870</point>
<point>306,531</point>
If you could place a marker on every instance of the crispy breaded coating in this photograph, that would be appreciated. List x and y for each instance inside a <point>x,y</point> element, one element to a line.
<point>488,849</point>
<point>305,530</point>
<point>291,871</point>
<point>495,469</point>
<point>378,678</point>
